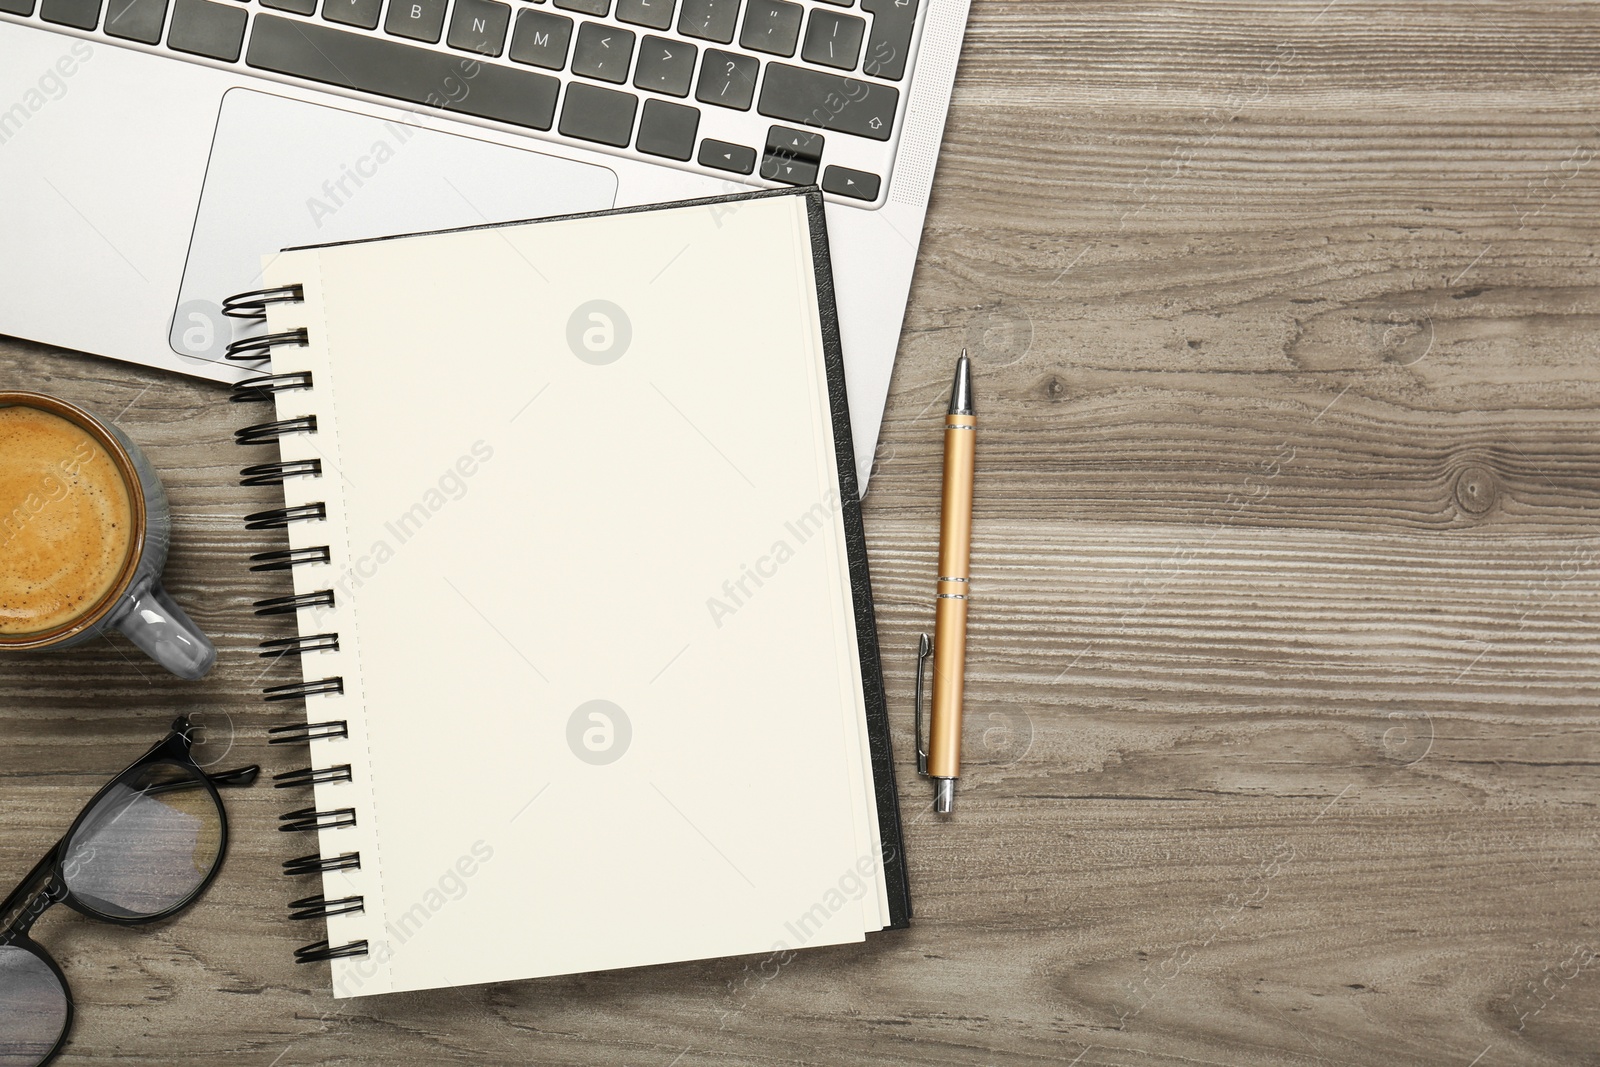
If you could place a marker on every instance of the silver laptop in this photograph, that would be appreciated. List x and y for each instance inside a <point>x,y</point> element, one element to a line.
<point>152,150</point>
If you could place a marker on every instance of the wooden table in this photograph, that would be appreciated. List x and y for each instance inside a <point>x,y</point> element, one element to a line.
<point>1283,673</point>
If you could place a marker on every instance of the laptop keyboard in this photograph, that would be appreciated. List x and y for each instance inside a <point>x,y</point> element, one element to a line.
<point>793,92</point>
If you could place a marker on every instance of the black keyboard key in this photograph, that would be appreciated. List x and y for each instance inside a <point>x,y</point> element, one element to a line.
<point>816,98</point>
<point>656,14</point>
<point>363,13</point>
<point>297,7</point>
<point>202,28</point>
<point>727,78</point>
<point>833,40</point>
<point>709,20</point>
<point>420,20</point>
<point>541,39</point>
<point>665,66</point>
<point>602,52</point>
<point>724,156</point>
<point>136,20</point>
<point>82,14</point>
<point>596,114</point>
<point>478,26</point>
<point>587,7</point>
<point>667,129</point>
<point>792,156</point>
<point>388,68</point>
<point>17,7</point>
<point>890,44</point>
<point>778,167</point>
<point>853,183</point>
<point>796,144</point>
<point>771,26</point>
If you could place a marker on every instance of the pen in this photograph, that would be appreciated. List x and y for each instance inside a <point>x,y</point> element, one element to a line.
<point>942,759</point>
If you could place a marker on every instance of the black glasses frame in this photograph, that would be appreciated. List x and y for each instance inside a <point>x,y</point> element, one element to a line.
<point>46,885</point>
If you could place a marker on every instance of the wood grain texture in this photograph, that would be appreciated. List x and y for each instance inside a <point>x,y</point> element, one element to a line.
<point>1282,744</point>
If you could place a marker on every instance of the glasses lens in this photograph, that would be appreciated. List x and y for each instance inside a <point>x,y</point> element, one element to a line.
<point>146,845</point>
<point>33,1008</point>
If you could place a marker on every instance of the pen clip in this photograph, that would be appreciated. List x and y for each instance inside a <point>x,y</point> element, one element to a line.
<point>924,653</point>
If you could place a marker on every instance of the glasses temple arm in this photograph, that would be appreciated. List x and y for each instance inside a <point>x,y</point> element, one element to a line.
<point>223,779</point>
<point>237,776</point>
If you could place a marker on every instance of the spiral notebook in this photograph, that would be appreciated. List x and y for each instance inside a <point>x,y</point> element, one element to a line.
<point>585,631</point>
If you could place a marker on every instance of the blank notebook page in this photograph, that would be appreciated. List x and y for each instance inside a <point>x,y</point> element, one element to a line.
<point>537,502</point>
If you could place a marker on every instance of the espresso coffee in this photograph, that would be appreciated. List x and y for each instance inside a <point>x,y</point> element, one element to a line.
<point>66,521</point>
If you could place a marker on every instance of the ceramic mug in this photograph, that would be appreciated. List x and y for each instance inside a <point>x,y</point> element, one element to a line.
<point>135,602</point>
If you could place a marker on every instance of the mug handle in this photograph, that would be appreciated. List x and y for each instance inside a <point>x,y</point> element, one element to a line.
<point>166,634</point>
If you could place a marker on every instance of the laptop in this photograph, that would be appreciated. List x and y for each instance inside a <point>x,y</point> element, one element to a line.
<point>152,150</point>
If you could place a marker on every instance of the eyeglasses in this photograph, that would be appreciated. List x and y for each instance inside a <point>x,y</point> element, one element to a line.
<point>143,849</point>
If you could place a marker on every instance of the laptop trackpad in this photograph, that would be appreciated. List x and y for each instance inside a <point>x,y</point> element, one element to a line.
<point>285,172</point>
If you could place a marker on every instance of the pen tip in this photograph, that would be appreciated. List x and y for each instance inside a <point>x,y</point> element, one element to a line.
<point>961,390</point>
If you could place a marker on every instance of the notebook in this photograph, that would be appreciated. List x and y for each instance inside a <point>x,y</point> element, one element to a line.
<point>585,629</point>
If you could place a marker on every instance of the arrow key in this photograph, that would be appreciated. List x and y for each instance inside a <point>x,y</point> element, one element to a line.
<point>783,167</point>
<point>857,184</point>
<point>720,155</point>
<point>797,144</point>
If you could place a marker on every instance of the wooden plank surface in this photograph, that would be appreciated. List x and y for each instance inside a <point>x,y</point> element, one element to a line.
<point>1284,646</point>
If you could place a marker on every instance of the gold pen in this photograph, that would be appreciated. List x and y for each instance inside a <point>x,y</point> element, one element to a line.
<point>941,759</point>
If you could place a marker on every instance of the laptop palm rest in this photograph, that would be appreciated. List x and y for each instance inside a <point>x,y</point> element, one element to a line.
<point>285,172</point>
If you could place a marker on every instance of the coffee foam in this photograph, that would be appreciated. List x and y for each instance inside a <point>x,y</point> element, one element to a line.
<point>66,521</point>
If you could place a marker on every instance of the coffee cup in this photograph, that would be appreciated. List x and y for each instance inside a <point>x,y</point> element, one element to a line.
<point>84,531</point>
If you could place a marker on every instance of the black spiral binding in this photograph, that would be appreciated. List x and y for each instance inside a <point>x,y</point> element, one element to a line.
<point>276,473</point>
<point>279,647</point>
<point>263,388</point>
<point>266,432</point>
<point>256,390</point>
<point>312,775</point>
<point>288,605</point>
<point>258,348</point>
<point>320,950</point>
<point>319,907</point>
<point>298,733</point>
<point>316,863</point>
<point>303,689</point>
<point>253,305</point>
<point>311,819</point>
<point>278,518</point>
<point>294,557</point>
